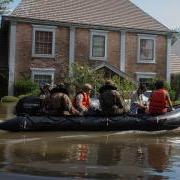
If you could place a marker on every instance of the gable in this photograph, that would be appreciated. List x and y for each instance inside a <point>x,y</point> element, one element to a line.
<point>111,13</point>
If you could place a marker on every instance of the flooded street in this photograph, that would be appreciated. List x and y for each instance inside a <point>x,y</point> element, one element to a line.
<point>88,155</point>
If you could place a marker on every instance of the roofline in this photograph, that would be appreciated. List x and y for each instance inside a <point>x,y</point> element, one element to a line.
<point>147,14</point>
<point>116,71</point>
<point>71,24</point>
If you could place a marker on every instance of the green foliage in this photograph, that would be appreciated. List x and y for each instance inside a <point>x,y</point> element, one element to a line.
<point>124,86</point>
<point>175,83</point>
<point>167,86</point>
<point>26,86</point>
<point>3,6</point>
<point>9,99</point>
<point>84,74</point>
<point>172,92</point>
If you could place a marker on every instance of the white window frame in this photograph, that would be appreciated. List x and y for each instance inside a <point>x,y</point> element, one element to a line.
<point>45,29</point>
<point>43,71</point>
<point>150,37</point>
<point>145,75</point>
<point>100,33</point>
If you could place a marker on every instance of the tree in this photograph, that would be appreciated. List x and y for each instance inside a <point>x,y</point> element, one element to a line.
<point>3,6</point>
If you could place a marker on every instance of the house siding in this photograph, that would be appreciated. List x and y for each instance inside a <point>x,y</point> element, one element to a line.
<point>131,66</point>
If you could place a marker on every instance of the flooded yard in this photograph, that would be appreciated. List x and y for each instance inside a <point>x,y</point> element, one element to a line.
<point>88,155</point>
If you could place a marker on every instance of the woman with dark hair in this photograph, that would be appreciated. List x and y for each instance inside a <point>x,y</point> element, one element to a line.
<point>159,100</point>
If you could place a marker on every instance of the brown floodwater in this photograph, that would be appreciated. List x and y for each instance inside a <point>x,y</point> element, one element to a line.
<point>88,155</point>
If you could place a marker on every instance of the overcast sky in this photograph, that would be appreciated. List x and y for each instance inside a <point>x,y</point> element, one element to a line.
<point>165,11</point>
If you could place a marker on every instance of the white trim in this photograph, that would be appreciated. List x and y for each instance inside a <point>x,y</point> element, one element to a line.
<point>45,29</point>
<point>123,51</point>
<point>146,75</point>
<point>168,70</point>
<point>100,33</point>
<point>146,36</point>
<point>44,71</point>
<point>71,49</point>
<point>12,58</point>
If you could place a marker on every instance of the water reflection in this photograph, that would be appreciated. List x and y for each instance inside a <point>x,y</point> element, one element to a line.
<point>158,156</point>
<point>93,157</point>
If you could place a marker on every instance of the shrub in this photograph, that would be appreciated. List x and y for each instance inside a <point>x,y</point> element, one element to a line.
<point>167,86</point>
<point>84,74</point>
<point>175,83</point>
<point>26,86</point>
<point>9,99</point>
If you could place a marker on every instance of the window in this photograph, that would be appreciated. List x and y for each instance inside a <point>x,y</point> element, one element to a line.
<point>43,41</point>
<point>43,75</point>
<point>98,49</point>
<point>146,49</point>
<point>146,78</point>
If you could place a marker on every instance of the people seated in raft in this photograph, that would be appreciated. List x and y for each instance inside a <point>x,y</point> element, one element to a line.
<point>60,103</point>
<point>139,101</point>
<point>82,99</point>
<point>159,100</point>
<point>111,102</point>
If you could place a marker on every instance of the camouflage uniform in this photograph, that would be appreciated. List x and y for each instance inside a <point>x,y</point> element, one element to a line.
<point>111,103</point>
<point>60,104</point>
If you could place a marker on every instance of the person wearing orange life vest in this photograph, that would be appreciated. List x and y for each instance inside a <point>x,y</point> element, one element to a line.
<point>82,100</point>
<point>159,100</point>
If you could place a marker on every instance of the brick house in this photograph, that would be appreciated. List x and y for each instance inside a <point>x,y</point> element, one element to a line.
<point>46,37</point>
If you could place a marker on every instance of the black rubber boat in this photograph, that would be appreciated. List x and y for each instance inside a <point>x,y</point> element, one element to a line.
<point>170,120</point>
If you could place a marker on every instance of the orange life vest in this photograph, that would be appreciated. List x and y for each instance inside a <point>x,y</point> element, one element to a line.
<point>158,102</point>
<point>85,101</point>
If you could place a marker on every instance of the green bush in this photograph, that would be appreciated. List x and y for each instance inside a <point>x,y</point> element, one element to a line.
<point>9,99</point>
<point>84,74</point>
<point>26,86</point>
<point>175,83</point>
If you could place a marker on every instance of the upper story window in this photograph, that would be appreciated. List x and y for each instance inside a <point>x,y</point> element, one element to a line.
<point>43,41</point>
<point>98,48</point>
<point>146,49</point>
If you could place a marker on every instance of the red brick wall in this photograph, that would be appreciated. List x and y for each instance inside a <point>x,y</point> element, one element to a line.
<point>24,59</point>
<point>114,49</point>
<point>82,48</point>
<point>132,66</point>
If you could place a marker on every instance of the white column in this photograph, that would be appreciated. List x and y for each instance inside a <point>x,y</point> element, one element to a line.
<point>168,71</point>
<point>71,50</point>
<point>12,58</point>
<point>123,51</point>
